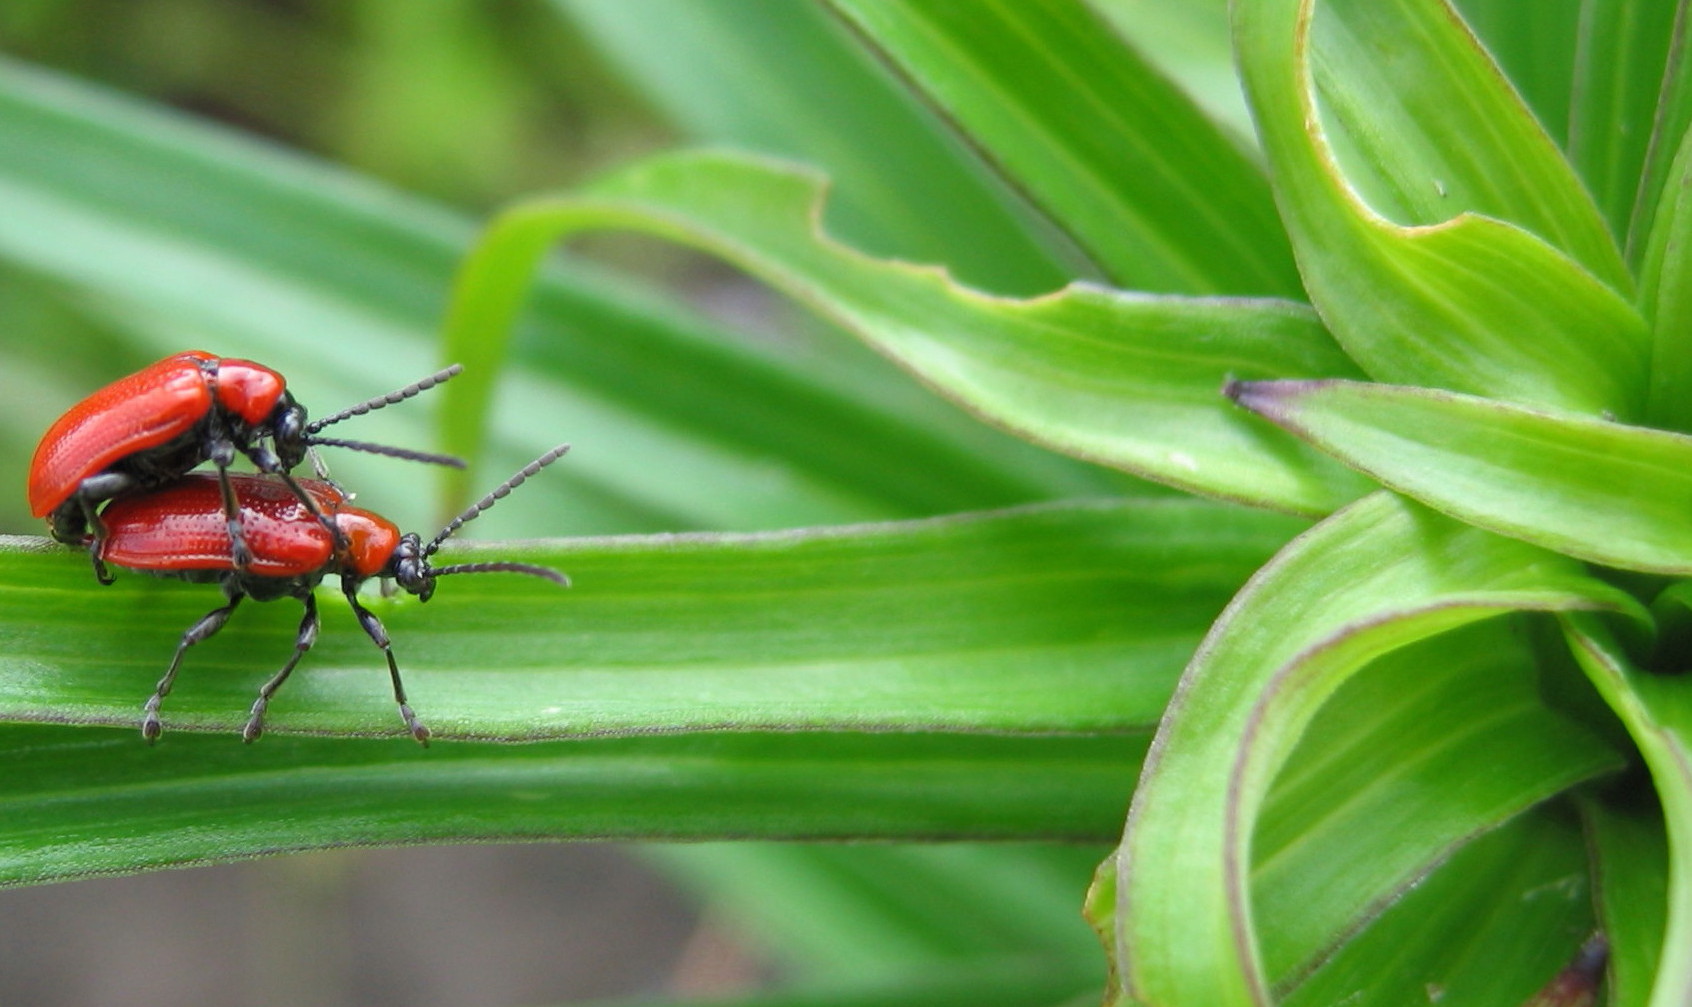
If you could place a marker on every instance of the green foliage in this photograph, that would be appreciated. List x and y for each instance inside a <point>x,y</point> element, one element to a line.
<point>947,589</point>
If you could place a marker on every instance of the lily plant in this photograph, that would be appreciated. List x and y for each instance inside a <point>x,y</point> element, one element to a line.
<point>1406,374</point>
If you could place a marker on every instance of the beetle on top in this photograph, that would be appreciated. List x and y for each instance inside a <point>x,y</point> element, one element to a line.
<point>147,429</point>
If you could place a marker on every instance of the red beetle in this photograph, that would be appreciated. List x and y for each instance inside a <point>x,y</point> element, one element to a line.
<point>179,531</point>
<point>158,423</point>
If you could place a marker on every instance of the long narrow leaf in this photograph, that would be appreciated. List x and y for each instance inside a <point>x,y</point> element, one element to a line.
<point>1630,865</point>
<point>1072,619</point>
<point>1126,380</point>
<point>1672,120</point>
<point>1665,295</point>
<point>1614,494</point>
<point>1624,48</point>
<point>781,79</point>
<point>90,801</point>
<point>1123,162</point>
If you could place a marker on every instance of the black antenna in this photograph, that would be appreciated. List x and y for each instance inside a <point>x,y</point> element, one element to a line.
<point>445,374</point>
<point>389,451</point>
<point>503,566</point>
<point>498,494</point>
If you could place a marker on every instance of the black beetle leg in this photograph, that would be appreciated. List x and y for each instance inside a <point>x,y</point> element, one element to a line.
<point>302,643</point>
<point>208,625</point>
<point>97,545</point>
<point>222,455</point>
<point>94,491</point>
<point>323,519</point>
<point>379,635</point>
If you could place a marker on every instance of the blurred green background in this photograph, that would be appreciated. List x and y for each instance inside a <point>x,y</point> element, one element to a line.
<point>466,104</point>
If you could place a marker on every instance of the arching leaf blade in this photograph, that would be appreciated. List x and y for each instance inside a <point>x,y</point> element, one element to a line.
<point>1442,236</point>
<point>1380,575</point>
<point>1603,491</point>
<point>1121,379</point>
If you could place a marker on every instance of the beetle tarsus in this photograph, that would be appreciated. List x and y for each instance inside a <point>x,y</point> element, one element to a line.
<point>101,574</point>
<point>418,729</point>
<point>151,728</point>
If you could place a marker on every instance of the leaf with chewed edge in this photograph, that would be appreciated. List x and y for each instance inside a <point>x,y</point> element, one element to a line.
<point>1122,379</point>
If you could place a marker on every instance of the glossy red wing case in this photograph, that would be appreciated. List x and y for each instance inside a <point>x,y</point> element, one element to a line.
<point>141,411</point>
<point>182,527</point>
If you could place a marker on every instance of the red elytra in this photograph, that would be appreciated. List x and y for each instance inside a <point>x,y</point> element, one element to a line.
<point>148,409</point>
<point>152,426</point>
<point>179,531</point>
<point>180,528</point>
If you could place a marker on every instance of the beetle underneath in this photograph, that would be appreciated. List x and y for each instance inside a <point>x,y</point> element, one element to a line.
<point>179,531</point>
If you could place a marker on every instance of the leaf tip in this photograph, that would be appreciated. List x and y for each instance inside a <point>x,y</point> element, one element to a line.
<point>1252,395</point>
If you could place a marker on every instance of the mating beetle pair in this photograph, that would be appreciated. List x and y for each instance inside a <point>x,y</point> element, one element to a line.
<point>266,536</point>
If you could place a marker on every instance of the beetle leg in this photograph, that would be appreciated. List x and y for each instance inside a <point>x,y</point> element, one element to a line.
<point>265,460</point>
<point>302,643</point>
<point>379,635</point>
<point>222,455</point>
<point>323,519</point>
<point>209,624</point>
<point>94,491</point>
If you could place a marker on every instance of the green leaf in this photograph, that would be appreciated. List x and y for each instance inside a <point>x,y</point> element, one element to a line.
<point>975,984</point>
<point>1188,41</point>
<point>1118,157</point>
<point>1535,46</point>
<point>1491,926</point>
<point>782,79</point>
<point>1630,863</point>
<point>1665,296</point>
<point>1127,380</point>
<point>839,914</point>
<point>1657,711</point>
<point>1619,68</point>
<point>90,801</point>
<point>1380,575</point>
<point>341,284</point>
<point>1605,492</point>
<point>1382,787</point>
<point>1069,619</point>
<point>1442,237</point>
<point>1671,121</point>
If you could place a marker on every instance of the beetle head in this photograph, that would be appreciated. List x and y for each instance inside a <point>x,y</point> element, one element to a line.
<point>409,564</point>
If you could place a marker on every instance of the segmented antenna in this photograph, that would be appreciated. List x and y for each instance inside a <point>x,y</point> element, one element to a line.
<point>444,374</point>
<point>502,567</point>
<point>389,451</point>
<point>498,494</point>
